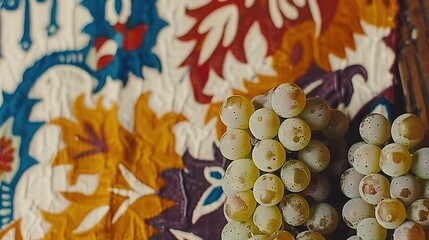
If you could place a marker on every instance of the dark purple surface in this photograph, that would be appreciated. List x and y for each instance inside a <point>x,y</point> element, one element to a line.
<point>186,187</point>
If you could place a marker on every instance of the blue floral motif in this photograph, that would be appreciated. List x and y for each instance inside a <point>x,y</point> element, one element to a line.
<point>128,59</point>
<point>130,42</point>
<point>213,196</point>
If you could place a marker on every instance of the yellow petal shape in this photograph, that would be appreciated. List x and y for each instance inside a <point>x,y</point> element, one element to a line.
<point>380,13</point>
<point>128,164</point>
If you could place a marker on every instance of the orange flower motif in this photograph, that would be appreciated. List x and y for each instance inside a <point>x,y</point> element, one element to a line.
<point>379,13</point>
<point>128,165</point>
<point>313,41</point>
<point>307,43</point>
<point>338,34</point>
<point>294,57</point>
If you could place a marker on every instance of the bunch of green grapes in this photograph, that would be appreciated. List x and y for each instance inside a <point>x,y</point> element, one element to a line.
<point>387,181</point>
<point>276,142</point>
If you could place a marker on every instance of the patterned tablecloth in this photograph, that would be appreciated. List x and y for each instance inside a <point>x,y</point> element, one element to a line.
<point>109,108</point>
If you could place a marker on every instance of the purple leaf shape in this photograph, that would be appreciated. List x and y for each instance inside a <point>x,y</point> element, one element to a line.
<point>174,217</point>
<point>98,143</point>
<point>193,185</point>
<point>336,87</point>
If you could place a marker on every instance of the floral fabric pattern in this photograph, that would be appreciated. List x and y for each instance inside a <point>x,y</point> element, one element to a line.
<point>109,120</point>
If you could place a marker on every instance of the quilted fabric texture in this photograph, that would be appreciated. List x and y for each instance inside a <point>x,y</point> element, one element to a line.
<point>109,120</point>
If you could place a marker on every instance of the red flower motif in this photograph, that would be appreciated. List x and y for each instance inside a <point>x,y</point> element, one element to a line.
<point>247,16</point>
<point>126,39</point>
<point>132,38</point>
<point>6,154</point>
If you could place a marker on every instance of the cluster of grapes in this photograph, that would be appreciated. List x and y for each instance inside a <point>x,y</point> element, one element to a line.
<point>272,144</point>
<point>388,183</point>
